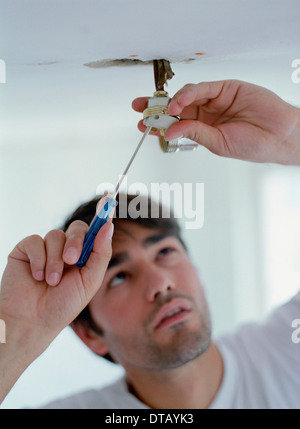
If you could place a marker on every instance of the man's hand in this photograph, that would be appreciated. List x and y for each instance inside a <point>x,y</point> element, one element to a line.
<point>235,119</point>
<point>42,291</point>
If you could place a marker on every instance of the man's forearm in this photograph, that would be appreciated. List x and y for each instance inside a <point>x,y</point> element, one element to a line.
<point>296,138</point>
<point>10,371</point>
<point>293,141</point>
<point>16,354</point>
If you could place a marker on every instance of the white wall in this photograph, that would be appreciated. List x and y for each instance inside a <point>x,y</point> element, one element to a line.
<point>58,143</point>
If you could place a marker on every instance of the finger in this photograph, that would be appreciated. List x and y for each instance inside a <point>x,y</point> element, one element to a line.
<point>140,104</point>
<point>75,236</point>
<point>32,250</point>
<point>94,270</point>
<point>204,134</point>
<point>54,242</point>
<point>142,128</point>
<point>74,241</point>
<point>199,93</point>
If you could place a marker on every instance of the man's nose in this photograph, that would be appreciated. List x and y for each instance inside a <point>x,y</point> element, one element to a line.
<point>158,281</point>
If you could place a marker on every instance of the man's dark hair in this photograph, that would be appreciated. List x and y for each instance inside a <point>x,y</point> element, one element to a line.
<point>86,212</point>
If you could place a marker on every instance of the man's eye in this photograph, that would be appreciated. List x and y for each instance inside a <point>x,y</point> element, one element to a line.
<point>165,251</point>
<point>118,279</point>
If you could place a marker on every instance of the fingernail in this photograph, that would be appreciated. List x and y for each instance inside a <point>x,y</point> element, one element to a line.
<point>172,109</point>
<point>39,275</point>
<point>175,107</point>
<point>71,255</point>
<point>110,232</point>
<point>53,279</point>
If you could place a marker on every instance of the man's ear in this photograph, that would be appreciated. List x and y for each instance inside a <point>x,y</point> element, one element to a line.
<point>90,338</point>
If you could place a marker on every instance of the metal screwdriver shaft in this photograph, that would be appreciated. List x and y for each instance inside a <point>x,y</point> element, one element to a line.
<point>130,162</point>
<point>103,215</point>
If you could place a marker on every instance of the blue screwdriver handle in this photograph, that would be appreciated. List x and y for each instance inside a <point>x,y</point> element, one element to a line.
<point>98,222</point>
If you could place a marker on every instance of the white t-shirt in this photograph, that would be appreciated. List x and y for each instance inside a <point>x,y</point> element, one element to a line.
<point>261,370</point>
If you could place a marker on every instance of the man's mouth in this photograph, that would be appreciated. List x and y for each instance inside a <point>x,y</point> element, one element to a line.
<point>171,313</point>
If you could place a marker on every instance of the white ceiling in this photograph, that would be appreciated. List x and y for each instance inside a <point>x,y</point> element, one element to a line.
<point>47,32</point>
<point>46,44</point>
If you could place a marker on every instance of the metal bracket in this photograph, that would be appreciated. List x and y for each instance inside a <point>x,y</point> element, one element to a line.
<point>162,73</point>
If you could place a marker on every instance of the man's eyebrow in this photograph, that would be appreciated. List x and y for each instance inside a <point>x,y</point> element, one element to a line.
<point>118,259</point>
<point>121,257</point>
<point>155,238</point>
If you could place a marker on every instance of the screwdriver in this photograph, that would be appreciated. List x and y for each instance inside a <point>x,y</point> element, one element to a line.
<point>103,214</point>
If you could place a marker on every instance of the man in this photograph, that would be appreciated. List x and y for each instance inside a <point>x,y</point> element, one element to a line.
<point>150,313</point>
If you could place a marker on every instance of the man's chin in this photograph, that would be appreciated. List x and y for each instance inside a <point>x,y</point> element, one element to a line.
<point>179,348</point>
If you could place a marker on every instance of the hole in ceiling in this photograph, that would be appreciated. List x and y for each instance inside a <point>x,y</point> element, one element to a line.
<point>116,63</point>
<point>129,61</point>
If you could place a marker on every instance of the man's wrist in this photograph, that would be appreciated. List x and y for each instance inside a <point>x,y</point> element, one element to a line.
<point>294,140</point>
<point>18,349</point>
<point>22,339</point>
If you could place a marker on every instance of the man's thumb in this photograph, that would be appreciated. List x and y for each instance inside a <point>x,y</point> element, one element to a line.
<point>96,266</point>
<point>198,132</point>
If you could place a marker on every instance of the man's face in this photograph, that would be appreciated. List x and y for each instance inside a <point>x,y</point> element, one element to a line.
<point>151,305</point>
